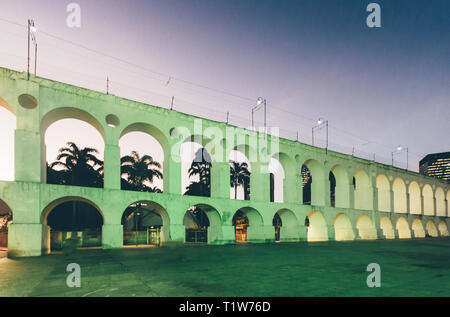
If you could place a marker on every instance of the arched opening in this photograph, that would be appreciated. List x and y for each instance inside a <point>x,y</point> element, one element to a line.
<point>415,203</point>
<point>142,162</point>
<point>403,228</point>
<point>7,128</point>
<point>431,229</point>
<point>417,228</point>
<point>6,218</point>
<point>286,226</point>
<point>384,193</point>
<point>80,164</point>
<point>387,227</point>
<point>203,224</point>
<point>74,223</point>
<point>146,139</point>
<point>313,183</point>
<point>428,205</point>
<point>343,228</point>
<point>196,164</point>
<point>363,191</point>
<point>277,180</point>
<point>366,228</point>
<point>443,229</point>
<point>284,185</point>
<point>240,174</point>
<point>339,187</point>
<point>316,226</point>
<point>399,189</point>
<point>440,202</point>
<point>74,150</point>
<point>248,225</point>
<point>145,223</point>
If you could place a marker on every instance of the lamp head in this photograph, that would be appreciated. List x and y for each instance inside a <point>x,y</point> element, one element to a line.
<point>259,101</point>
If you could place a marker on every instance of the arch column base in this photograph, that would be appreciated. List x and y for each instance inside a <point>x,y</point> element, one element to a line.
<point>177,234</point>
<point>331,234</point>
<point>112,236</point>
<point>28,239</point>
<point>380,234</point>
<point>228,235</point>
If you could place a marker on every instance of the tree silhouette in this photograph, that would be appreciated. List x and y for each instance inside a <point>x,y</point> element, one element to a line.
<point>201,166</point>
<point>239,175</point>
<point>138,171</point>
<point>78,167</point>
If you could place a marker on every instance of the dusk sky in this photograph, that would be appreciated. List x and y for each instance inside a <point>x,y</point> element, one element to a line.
<point>388,86</point>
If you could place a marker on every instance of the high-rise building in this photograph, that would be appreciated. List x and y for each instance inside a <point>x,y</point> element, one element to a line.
<point>436,165</point>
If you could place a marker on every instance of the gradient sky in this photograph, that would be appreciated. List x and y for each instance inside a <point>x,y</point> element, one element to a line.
<point>309,59</point>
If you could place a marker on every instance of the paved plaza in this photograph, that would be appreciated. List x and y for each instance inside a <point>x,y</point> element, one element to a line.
<point>408,268</point>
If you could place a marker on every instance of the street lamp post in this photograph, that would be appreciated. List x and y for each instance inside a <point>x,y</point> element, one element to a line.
<point>398,150</point>
<point>32,36</point>
<point>260,102</point>
<point>320,123</point>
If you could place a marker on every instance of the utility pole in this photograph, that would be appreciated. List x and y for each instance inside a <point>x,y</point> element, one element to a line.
<point>171,104</point>
<point>107,85</point>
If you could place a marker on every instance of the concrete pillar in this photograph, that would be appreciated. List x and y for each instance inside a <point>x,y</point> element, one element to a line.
<point>342,196</point>
<point>331,233</point>
<point>299,187</point>
<point>27,239</point>
<point>172,174</point>
<point>302,232</point>
<point>228,234</point>
<point>320,191</point>
<point>112,236</point>
<point>27,156</point>
<point>422,205</point>
<point>220,180</point>
<point>408,207</point>
<point>391,200</point>
<point>351,196</point>
<point>177,233</point>
<point>290,233</point>
<point>112,167</point>
<point>259,183</point>
<point>269,233</point>
<point>291,189</point>
<point>375,198</point>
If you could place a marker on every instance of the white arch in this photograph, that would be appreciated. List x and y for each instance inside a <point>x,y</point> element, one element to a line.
<point>399,189</point>
<point>384,193</point>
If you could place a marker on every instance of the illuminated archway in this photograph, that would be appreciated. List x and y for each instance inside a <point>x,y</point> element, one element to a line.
<point>248,225</point>
<point>387,227</point>
<point>428,204</point>
<point>363,191</point>
<point>443,229</point>
<point>417,228</point>
<point>317,227</point>
<point>399,189</point>
<point>384,193</point>
<point>403,228</point>
<point>343,228</point>
<point>415,202</point>
<point>366,228</point>
<point>440,202</point>
<point>431,229</point>
<point>341,188</point>
<point>241,188</point>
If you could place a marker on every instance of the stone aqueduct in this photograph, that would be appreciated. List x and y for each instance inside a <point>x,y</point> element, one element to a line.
<point>384,203</point>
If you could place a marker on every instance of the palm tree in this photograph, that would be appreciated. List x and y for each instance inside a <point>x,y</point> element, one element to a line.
<point>139,171</point>
<point>239,175</point>
<point>80,167</point>
<point>201,166</point>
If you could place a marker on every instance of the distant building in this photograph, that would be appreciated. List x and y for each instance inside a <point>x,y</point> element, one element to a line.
<point>436,165</point>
